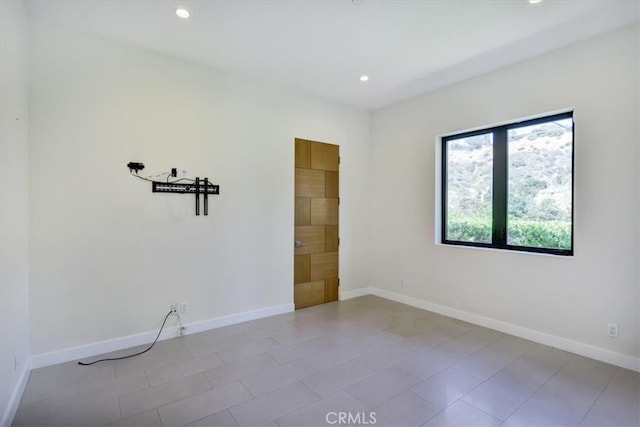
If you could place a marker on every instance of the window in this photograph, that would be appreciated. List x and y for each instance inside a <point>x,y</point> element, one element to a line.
<point>510,186</point>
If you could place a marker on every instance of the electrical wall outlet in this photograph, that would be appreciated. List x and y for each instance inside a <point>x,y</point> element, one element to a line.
<point>184,173</point>
<point>184,307</point>
<point>174,308</point>
<point>402,283</point>
<point>16,361</point>
<point>612,330</point>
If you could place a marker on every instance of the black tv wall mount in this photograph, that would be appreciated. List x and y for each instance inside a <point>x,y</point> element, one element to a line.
<point>192,186</point>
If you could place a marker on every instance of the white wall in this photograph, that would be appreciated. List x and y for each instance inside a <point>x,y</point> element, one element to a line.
<point>107,255</point>
<point>14,207</point>
<point>570,298</point>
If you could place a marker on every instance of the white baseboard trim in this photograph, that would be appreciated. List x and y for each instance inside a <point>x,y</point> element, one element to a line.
<point>355,293</point>
<point>101,347</point>
<point>582,349</point>
<point>233,319</point>
<point>94,349</point>
<point>12,406</point>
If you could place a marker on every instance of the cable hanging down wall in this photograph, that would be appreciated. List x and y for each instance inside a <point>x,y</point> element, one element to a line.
<point>181,186</point>
<point>108,359</point>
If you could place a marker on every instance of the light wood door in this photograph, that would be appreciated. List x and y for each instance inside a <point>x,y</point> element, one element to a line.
<point>315,267</point>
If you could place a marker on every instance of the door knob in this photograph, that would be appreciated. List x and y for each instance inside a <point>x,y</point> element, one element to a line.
<point>299,244</point>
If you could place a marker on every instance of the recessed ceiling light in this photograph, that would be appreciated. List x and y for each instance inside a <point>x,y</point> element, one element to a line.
<point>535,1</point>
<point>182,13</point>
<point>364,78</point>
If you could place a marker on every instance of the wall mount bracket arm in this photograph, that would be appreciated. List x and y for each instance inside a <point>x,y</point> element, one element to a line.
<point>203,187</point>
<point>196,186</point>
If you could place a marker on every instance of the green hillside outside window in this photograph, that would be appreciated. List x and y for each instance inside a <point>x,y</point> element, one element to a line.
<point>510,186</point>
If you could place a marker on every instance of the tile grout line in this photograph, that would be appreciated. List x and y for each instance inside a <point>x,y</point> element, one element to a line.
<point>599,395</point>
<point>539,388</point>
<point>159,417</point>
<point>120,408</point>
<point>431,403</point>
<point>320,398</point>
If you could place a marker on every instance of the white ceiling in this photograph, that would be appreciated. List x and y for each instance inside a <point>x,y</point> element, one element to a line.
<point>323,46</point>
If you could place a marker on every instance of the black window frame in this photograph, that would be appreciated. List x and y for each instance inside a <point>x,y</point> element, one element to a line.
<point>500,185</point>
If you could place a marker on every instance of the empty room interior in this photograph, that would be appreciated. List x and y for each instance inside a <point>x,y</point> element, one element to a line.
<point>311,213</point>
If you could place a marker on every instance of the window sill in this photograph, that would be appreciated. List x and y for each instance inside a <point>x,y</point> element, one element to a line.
<point>511,251</point>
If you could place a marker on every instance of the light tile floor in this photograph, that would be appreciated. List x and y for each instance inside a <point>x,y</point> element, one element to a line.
<point>365,361</point>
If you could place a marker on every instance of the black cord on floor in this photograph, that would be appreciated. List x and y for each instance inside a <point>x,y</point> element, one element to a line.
<point>137,354</point>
